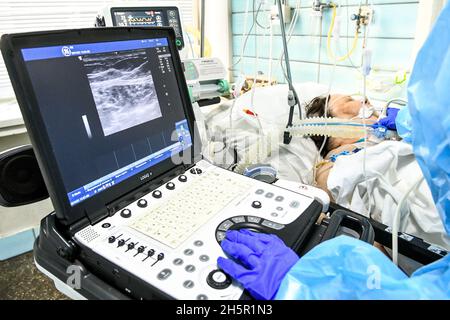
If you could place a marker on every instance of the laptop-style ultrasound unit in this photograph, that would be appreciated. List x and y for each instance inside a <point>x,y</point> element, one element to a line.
<point>110,119</point>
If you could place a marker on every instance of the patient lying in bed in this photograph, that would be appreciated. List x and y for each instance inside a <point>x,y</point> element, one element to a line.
<point>339,106</point>
<point>391,169</point>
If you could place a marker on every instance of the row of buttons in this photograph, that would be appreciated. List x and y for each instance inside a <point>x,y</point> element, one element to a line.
<point>157,194</point>
<point>140,249</point>
<point>258,205</point>
<point>269,195</point>
<point>227,224</point>
<point>215,279</point>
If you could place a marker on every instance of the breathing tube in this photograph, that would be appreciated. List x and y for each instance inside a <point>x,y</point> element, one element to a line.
<point>331,127</point>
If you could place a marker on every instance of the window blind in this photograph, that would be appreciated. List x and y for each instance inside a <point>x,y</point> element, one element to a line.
<point>36,15</point>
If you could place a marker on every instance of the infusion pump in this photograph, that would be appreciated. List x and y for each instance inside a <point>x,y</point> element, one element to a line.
<point>205,78</point>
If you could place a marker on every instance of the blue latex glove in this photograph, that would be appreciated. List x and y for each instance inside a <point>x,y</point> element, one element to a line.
<point>389,121</point>
<point>264,261</point>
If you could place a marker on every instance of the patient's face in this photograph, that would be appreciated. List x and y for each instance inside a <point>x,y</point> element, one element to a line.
<point>345,107</point>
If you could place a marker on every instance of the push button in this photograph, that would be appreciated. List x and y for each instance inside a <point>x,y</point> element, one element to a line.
<point>111,239</point>
<point>170,186</point>
<point>253,219</point>
<point>238,219</point>
<point>190,268</point>
<point>256,204</point>
<point>125,213</point>
<point>224,226</point>
<point>182,178</point>
<point>164,274</point>
<point>188,284</point>
<point>294,204</point>
<point>198,243</point>
<point>142,203</point>
<point>220,235</point>
<point>272,225</point>
<point>157,194</point>
<point>269,195</point>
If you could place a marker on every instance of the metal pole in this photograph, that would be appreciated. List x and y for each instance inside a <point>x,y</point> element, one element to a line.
<point>202,29</point>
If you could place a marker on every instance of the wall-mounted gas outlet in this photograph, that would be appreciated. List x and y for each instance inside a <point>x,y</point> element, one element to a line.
<point>364,16</point>
<point>287,14</point>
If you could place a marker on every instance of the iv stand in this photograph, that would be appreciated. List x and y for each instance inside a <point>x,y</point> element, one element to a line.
<point>292,95</point>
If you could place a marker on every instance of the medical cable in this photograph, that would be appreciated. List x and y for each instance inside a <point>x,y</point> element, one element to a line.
<point>366,62</point>
<point>396,220</point>
<point>245,37</point>
<point>331,54</point>
<point>398,101</point>
<point>292,93</point>
<point>253,89</point>
<point>290,34</point>
<point>191,45</point>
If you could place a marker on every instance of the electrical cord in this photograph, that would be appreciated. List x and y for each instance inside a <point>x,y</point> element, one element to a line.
<point>245,41</point>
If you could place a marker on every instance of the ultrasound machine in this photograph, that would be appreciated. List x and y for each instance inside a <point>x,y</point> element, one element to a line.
<point>138,212</point>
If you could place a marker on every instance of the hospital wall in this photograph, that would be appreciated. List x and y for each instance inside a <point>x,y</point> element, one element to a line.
<point>391,39</point>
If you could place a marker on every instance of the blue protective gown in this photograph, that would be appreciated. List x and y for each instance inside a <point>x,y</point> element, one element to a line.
<point>346,268</point>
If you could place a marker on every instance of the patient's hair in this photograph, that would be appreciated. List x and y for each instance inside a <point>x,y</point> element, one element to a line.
<point>316,108</point>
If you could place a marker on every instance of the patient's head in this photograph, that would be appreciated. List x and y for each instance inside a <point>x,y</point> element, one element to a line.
<point>339,106</point>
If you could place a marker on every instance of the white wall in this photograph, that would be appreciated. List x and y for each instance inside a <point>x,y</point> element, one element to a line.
<point>218,29</point>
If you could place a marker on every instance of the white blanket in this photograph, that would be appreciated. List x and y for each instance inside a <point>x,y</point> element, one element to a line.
<point>391,171</point>
<point>293,162</point>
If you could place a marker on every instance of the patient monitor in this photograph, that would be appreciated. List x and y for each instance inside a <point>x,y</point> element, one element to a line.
<point>157,14</point>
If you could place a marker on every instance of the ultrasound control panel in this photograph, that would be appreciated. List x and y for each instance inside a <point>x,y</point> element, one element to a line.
<point>170,237</point>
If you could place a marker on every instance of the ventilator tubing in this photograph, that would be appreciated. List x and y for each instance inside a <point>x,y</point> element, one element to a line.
<point>330,127</point>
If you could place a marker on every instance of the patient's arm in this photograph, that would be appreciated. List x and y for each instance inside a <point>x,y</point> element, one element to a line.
<point>322,177</point>
<point>323,171</point>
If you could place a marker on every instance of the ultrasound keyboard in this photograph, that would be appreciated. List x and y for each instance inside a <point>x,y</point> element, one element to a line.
<point>177,218</point>
<point>170,237</point>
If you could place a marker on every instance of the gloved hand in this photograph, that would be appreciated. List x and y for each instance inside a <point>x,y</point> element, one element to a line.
<point>389,121</point>
<point>264,258</point>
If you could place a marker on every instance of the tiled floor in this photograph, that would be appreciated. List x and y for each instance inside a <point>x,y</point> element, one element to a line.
<point>20,280</point>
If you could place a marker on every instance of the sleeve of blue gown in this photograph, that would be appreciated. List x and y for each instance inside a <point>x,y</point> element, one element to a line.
<point>346,268</point>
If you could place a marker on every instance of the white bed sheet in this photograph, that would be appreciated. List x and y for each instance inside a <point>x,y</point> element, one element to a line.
<point>391,170</point>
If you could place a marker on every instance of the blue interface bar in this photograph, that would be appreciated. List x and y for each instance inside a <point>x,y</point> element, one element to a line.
<point>74,50</point>
<point>99,185</point>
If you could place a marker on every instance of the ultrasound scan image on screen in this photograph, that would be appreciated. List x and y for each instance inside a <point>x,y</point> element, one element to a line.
<point>123,89</point>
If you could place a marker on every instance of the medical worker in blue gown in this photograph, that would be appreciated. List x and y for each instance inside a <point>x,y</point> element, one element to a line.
<point>344,267</point>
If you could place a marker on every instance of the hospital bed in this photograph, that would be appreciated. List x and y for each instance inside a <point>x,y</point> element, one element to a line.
<point>393,163</point>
